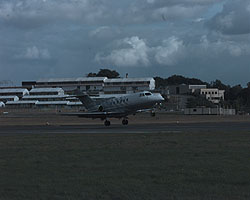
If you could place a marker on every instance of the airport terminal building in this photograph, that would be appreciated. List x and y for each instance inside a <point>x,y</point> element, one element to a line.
<point>94,85</point>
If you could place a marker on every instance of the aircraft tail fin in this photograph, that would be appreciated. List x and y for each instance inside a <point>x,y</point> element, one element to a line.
<point>87,102</point>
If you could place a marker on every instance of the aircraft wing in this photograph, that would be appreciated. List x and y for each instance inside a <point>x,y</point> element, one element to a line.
<point>144,111</point>
<point>97,114</point>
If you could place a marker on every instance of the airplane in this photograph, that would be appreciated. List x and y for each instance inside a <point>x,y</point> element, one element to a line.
<point>117,107</point>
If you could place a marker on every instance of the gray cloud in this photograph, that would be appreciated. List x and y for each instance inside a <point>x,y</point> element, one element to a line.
<point>234,18</point>
<point>33,53</point>
<point>69,38</point>
<point>137,53</point>
<point>35,13</point>
<point>29,14</point>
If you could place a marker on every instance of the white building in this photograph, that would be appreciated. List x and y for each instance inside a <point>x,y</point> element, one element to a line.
<point>46,91</point>
<point>8,98</point>
<point>21,104</point>
<point>213,94</point>
<point>47,97</point>
<point>90,84</point>
<point>94,85</point>
<point>48,104</point>
<point>20,92</point>
<point>2,104</point>
<point>128,85</point>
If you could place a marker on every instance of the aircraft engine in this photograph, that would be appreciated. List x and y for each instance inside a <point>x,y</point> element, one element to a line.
<point>100,109</point>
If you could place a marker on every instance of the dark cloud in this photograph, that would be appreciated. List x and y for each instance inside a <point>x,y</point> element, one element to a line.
<point>27,14</point>
<point>70,38</point>
<point>234,18</point>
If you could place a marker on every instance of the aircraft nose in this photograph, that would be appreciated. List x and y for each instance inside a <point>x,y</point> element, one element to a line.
<point>160,97</point>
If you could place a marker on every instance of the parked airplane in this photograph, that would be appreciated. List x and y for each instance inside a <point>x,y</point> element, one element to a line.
<point>117,107</point>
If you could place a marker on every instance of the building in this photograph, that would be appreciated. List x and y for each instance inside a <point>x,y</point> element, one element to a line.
<point>94,85</point>
<point>4,99</point>
<point>178,89</point>
<point>21,104</point>
<point>183,89</point>
<point>128,85</point>
<point>213,94</point>
<point>194,88</point>
<point>47,97</point>
<point>2,104</point>
<point>209,111</point>
<point>70,85</point>
<point>19,92</point>
<point>51,104</point>
<point>46,91</point>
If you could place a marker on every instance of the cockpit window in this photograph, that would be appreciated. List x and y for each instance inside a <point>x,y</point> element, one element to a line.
<point>148,94</point>
<point>142,94</point>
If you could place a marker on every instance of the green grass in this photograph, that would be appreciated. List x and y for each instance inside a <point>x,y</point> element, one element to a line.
<point>125,166</point>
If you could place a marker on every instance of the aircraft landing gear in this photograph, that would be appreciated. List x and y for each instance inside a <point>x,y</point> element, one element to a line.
<point>107,123</point>
<point>125,122</point>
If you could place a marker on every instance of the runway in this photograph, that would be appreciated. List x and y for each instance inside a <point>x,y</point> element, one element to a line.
<point>132,128</point>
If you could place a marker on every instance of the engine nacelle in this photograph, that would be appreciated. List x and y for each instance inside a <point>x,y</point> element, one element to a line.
<point>100,109</point>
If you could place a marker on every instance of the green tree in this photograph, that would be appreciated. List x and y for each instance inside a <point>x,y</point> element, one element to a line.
<point>105,73</point>
<point>177,80</point>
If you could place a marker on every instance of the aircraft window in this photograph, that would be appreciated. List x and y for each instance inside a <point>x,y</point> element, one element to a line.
<point>142,94</point>
<point>148,94</point>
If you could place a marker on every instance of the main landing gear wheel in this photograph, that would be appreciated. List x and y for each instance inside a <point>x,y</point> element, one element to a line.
<point>125,122</point>
<point>107,123</point>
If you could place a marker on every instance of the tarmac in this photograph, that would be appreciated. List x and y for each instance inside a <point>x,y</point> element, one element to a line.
<point>42,123</point>
<point>133,128</point>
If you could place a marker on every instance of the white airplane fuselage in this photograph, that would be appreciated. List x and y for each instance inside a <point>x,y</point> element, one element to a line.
<point>130,103</point>
<point>117,107</point>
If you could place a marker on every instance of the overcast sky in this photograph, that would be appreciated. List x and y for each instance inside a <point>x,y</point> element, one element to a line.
<point>206,39</point>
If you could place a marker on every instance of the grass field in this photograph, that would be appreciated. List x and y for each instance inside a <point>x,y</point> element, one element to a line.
<point>205,165</point>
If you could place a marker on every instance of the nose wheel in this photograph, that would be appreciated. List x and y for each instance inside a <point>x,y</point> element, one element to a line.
<point>107,123</point>
<point>125,122</point>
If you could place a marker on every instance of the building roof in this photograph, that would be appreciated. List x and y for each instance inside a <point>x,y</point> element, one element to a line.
<point>13,90</point>
<point>20,102</point>
<point>37,90</point>
<point>211,89</point>
<point>8,97</point>
<point>71,79</point>
<point>44,96</point>
<point>111,80</point>
<point>52,103</point>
